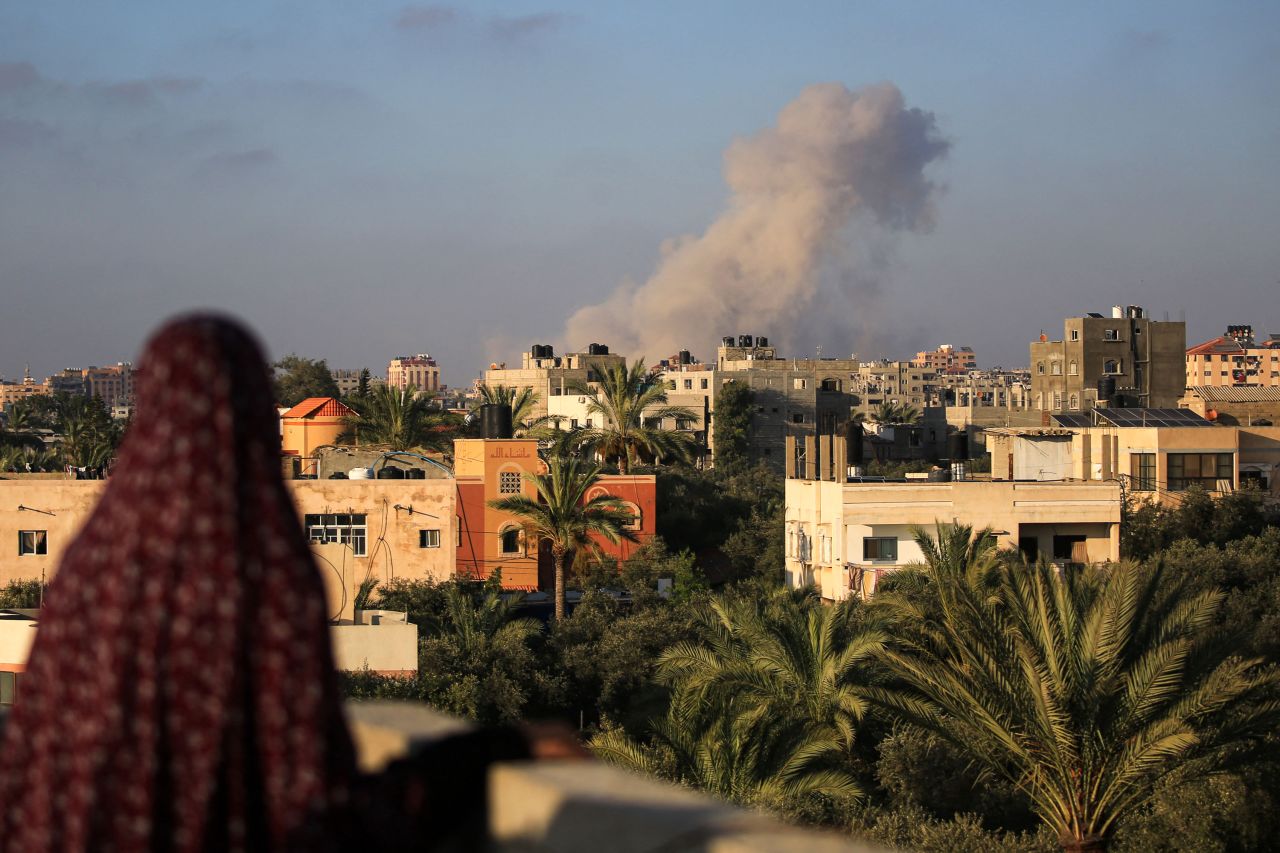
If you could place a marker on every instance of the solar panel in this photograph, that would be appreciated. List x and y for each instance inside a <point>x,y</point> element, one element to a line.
<point>1151,418</point>
<point>1069,420</point>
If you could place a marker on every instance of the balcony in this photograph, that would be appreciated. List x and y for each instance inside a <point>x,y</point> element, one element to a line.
<point>583,806</point>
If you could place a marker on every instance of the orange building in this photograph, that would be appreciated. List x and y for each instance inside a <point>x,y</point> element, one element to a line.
<point>314,422</point>
<point>1234,359</point>
<point>16,392</point>
<point>490,540</point>
<point>947,359</point>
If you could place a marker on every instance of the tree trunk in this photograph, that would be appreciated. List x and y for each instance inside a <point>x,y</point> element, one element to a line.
<point>563,558</point>
<point>1087,844</point>
<point>623,459</point>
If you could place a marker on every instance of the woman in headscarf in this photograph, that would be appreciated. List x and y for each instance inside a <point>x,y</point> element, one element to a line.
<point>181,693</point>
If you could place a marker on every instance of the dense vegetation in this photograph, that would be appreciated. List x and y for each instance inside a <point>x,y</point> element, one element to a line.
<point>48,432</point>
<point>975,704</point>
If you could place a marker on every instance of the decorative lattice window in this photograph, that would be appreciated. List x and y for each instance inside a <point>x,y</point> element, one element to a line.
<point>509,483</point>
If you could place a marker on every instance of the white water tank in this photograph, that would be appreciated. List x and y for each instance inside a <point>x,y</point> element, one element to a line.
<point>360,474</point>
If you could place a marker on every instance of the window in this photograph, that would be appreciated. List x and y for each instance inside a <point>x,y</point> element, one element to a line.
<point>509,482</point>
<point>428,538</point>
<point>1073,402</point>
<point>1111,365</point>
<point>671,385</point>
<point>688,385</point>
<point>1075,334</point>
<point>880,548</point>
<point>1111,334</point>
<point>33,543</point>
<point>346,528</point>
<point>1073,368</point>
<point>1057,368</point>
<point>1070,548</point>
<point>801,384</point>
<point>510,540</point>
<point>573,423</point>
<point>1199,469</point>
<point>8,687</point>
<point>1040,367</point>
<point>797,418</point>
<point>1057,400</point>
<point>1142,466</point>
<point>702,383</point>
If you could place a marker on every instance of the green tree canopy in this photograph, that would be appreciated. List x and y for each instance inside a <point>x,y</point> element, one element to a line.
<point>297,378</point>
<point>400,420</point>
<point>1084,689</point>
<point>731,426</point>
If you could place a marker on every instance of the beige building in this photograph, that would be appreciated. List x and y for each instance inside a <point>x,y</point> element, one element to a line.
<point>1234,360</point>
<point>947,359</point>
<point>313,423</point>
<point>1126,358</point>
<point>414,371</point>
<point>14,392</point>
<point>842,537</point>
<point>1149,455</point>
<point>552,376</point>
<point>392,528</point>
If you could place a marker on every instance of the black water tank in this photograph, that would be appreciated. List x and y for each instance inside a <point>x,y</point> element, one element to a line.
<point>853,443</point>
<point>744,340</point>
<point>597,349</point>
<point>495,420</point>
<point>415,474</point>
<point>1106,389</point>
<point>390,472</point>
<point>727,340</point>
<point>338,475</point>
<point>762,342</point>
<point>958,446</point>
<point>686,357</point>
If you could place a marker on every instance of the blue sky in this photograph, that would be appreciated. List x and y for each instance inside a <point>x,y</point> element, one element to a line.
<point>365,179</point>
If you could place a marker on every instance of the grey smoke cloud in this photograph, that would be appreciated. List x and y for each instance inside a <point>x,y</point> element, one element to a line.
<point>834,158</point>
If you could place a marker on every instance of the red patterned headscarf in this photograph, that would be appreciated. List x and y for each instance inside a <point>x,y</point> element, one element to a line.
<point>181,693</point>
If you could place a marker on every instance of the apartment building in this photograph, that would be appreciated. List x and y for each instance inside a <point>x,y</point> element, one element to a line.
<point>792,396</point>
<point>414,371</point>
<point>15,392</point>
<point>1235,359</point>
<point>842,536</point>
<point>552,376</point>
<point>1126,359</point>
<point>947,359</point>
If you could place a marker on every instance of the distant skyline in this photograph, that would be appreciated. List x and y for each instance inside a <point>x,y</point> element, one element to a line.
<point>359,181</point>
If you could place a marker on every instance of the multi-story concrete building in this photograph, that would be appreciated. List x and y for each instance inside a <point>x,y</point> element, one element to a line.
<point>1235,359</point>
<point>1126,358</point>
<point>1155,453</point>
<point>113,385</point>
<point>413,371</point>
<point>947,359</point>
<point>842,536</point>
<point>900,382</point>
<point>14,392</point>
<point>792,396</point>
<point>551,376</point>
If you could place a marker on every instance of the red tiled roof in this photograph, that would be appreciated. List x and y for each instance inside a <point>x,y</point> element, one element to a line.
<point>1217,345</point>
<point>326,407</point>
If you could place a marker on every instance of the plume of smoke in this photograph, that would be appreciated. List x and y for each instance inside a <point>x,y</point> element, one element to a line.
<point>834,157</point>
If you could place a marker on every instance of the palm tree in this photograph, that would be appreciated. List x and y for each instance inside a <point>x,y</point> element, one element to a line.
<point>1084,689</point>
<point>627,399</point>
<point>399,419</point>
<point>890,412</point>
<point>563,517</point>
<point>522,401</point>
<point>767,708</point>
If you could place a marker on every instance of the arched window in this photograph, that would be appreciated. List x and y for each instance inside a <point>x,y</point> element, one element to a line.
<point>1074,402</point>
<point>1111,366</point>
<point>1073,368</point>
<point>634,524</point>
<point>510,540</point>
<point>1057,368</point>
<point>1040,367</point>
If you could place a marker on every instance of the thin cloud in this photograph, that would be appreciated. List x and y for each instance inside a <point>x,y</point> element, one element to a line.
<point>526,25</point>
<point>237,163</point>
<point>426,17</point>
<point>16,133</point>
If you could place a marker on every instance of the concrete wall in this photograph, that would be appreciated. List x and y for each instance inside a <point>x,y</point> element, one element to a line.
<point>388,648</point>
<point>17,633</point>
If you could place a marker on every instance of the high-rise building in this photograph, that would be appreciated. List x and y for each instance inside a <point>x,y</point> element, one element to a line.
<point>947,359</point>
<point>1125,360</point>
<point>419,371</point>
